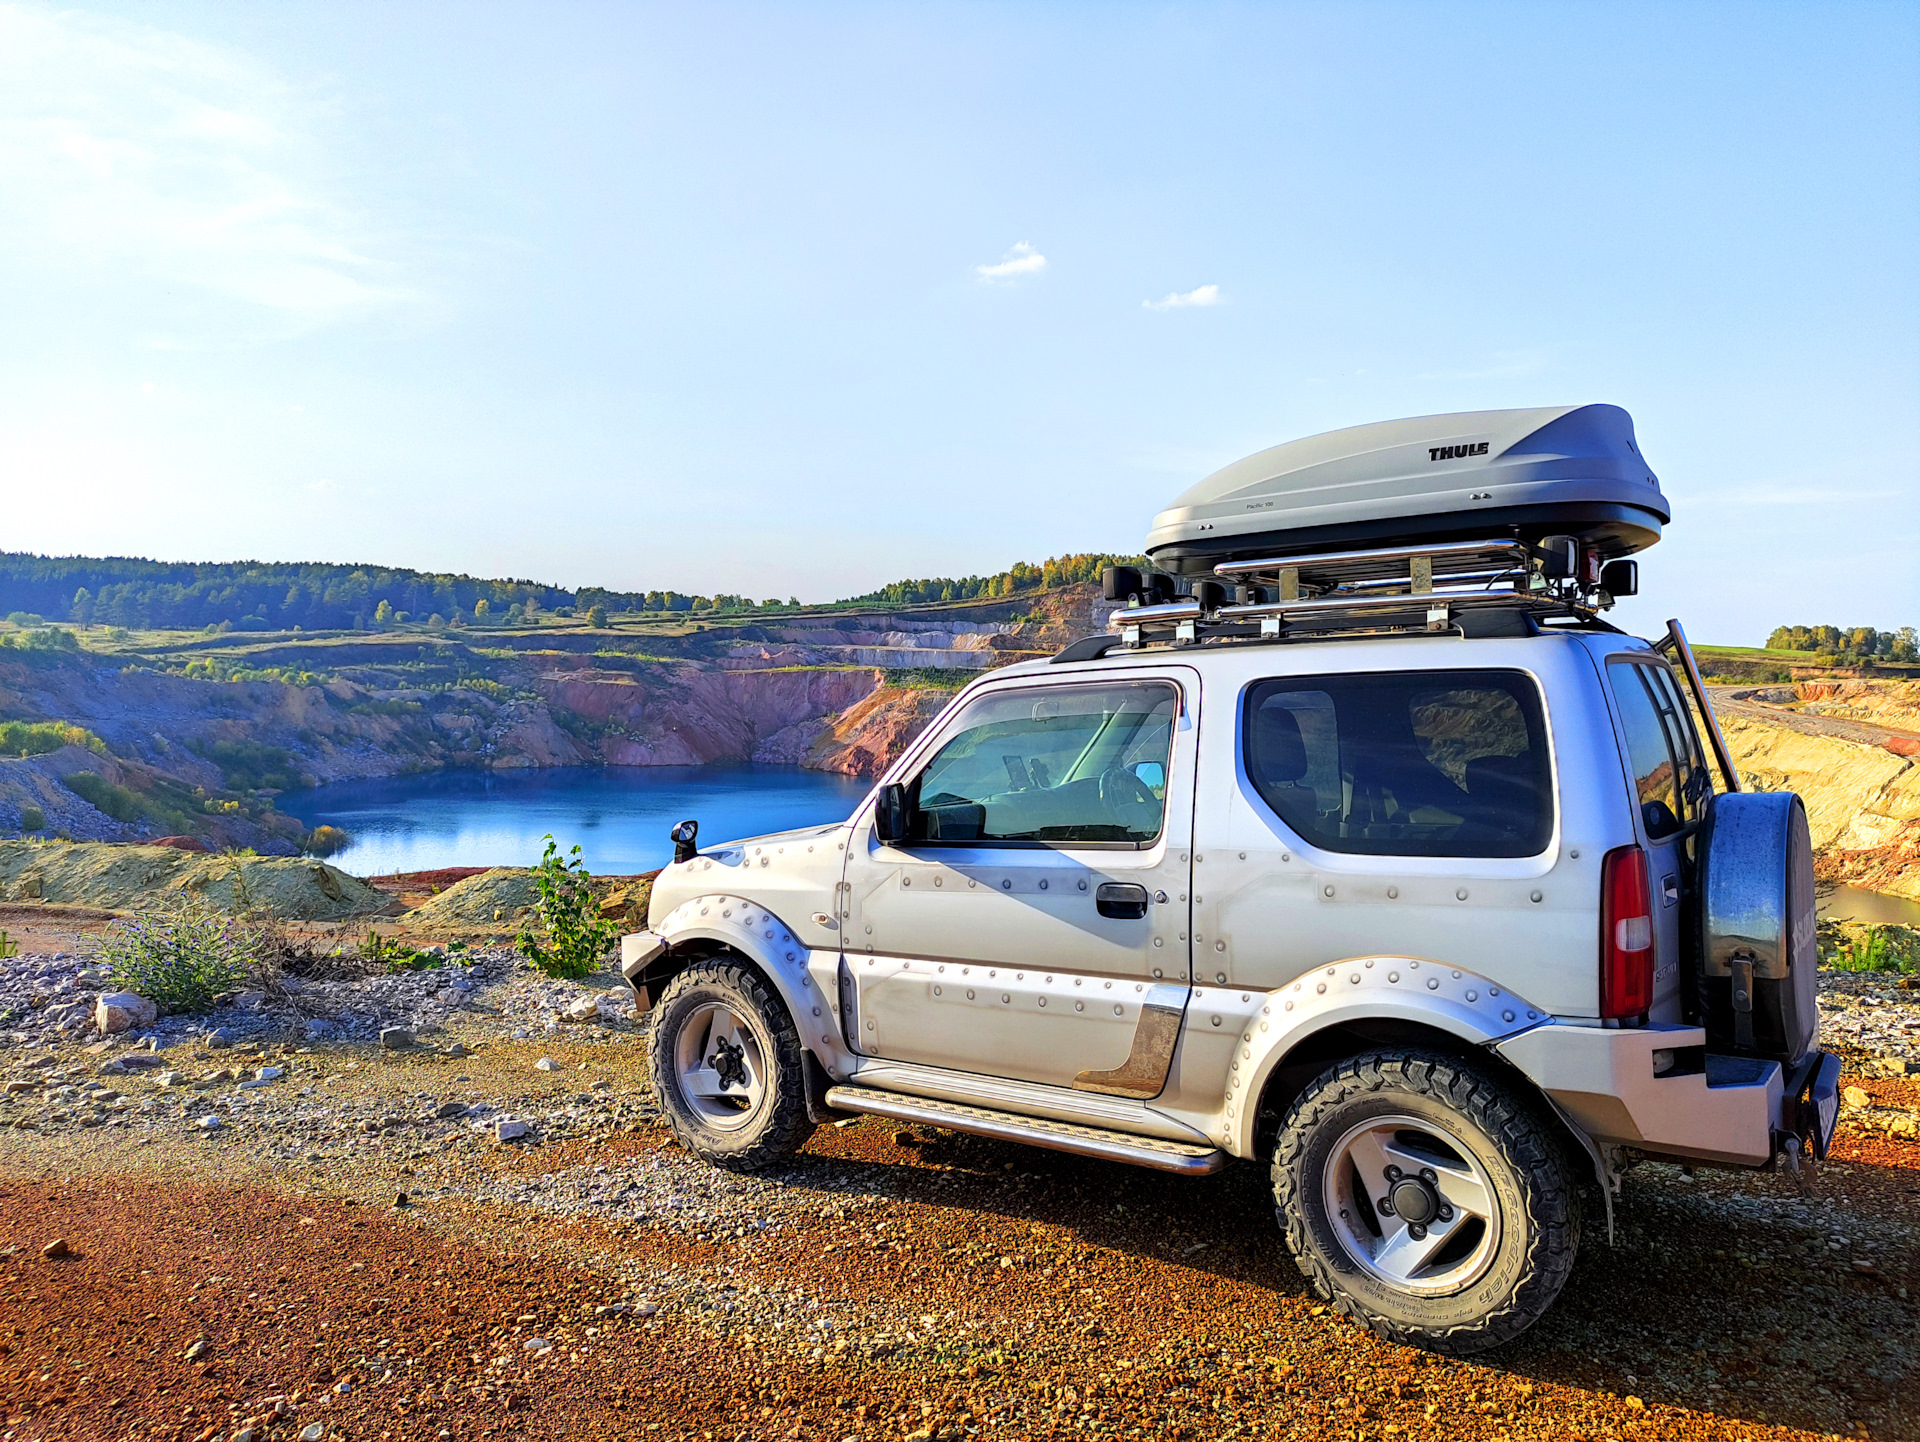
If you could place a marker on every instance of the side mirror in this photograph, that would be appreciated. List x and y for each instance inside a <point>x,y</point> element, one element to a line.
<point>683,836</point>
<point>1620,578</point>
<point>890,813</point>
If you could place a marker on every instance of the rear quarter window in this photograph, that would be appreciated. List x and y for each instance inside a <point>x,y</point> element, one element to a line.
<point>1424,763</point>
<point>1670,779</point>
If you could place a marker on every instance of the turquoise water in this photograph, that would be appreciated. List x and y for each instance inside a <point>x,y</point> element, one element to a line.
<point>618,815</point>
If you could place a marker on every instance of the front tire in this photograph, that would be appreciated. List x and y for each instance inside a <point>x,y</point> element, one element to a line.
<point>727,1067</point>
<point>1423,1200</point>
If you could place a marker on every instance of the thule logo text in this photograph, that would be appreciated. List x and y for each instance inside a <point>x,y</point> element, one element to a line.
<point>1454,453</point>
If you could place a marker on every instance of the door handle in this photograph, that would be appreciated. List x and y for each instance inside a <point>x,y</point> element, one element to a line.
<point>1121,900</point>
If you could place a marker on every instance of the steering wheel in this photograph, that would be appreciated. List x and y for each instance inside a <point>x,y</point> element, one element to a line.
<point>1121,790</point>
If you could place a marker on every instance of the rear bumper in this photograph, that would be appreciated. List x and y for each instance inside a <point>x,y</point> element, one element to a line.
<point>1726,1110</point>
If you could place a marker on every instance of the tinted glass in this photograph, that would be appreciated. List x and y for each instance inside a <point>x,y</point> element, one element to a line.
<point>1670,783</point>
<point>1061,764</point>
<point>1428,763</point>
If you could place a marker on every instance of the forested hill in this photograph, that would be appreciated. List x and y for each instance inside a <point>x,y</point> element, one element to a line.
<point>259,595</point>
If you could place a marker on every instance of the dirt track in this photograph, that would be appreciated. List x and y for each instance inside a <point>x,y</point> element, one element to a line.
<point>885,1284</point>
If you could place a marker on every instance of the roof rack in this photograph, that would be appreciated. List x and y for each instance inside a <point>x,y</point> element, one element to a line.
<point>1393,589</point>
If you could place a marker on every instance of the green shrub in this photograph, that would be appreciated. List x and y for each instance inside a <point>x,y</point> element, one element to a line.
<point>181,956</point>
<point>124,805</point>
<point>36,738</point>
<point>575,938</point>
<point>597,617</point>
<point>250,765</point>
<point>100,793</point>
<point>1869,946</point>
<point>32,818</point>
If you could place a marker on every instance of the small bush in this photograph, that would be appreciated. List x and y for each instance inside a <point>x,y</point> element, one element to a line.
<point>1869,946</point>
<point>576,938</point>
<point>181,956</point>
<point>32,818</point>
<point>597,617</point>
<point>37,738</point>
<point>325,840</point>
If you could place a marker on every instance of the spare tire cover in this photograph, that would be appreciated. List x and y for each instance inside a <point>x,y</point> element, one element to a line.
<point>1757,904</point>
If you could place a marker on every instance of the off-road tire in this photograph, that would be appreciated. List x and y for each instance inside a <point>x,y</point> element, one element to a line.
<point>781,1125</point>
<point>1539,1199</point>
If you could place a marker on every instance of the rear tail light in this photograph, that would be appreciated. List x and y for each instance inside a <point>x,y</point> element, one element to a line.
<point>1626,935</point>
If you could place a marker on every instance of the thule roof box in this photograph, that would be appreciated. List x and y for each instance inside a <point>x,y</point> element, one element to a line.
<point>1487,523</point>
<point>1521,475</point>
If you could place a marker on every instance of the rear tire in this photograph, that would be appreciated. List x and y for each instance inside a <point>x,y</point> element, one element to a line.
<point>727,1067</point>
<point>1425,1201</point>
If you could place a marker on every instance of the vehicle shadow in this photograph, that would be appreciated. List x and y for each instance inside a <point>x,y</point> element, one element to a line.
<point>1722,1293</point>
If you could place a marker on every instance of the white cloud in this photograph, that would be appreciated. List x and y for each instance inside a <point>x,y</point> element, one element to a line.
<point>1199,295</point>
<point>133,153</point>
<point>1022,260</point>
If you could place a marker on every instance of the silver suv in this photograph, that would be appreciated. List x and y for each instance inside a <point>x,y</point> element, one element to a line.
<point>1412,882</point>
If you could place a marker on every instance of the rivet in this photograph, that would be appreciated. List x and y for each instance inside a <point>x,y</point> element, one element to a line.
<point>1461,894</point>
<point>1119,1010</point>
<point>1156,970</point>
<point>1433,983</point>
<point>937,881</point>
<point>1007,885</point>
<point>1321,986</point>
<point>816,1010</point>
<point>1506,1016</point>
<point>1076,981</point>
<point>1221,978</point>
<point>1456,975</point>
<point>1198,858</point>
<point>1215,1020</point>
<point>1369,965</point>
<point>1158,941</point>
<point>936,991</point>
<point>1354,979</point>
<point>1219,946</point>
<point>969,993</point>
<point>1393,893</point>
<point>1532,1015</point>
<point>1005,999</point>
<point>1286,856</point>
<point>1393,976</point>
<point>1326,891</point>
<point>1574,855</point>
<point>1243,856</point>
<point>1493,991</point>
<point>1083,884</point>
<point>1043,1001</point>
<point>1079,1006</point>
<point>1472,995</point>
<point>1043,884</point>
<point>1289,1008</point>
<point>1246,996</point>
<point>1536,895</point>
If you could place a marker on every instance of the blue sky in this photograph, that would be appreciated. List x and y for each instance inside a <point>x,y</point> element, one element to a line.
<point>800,299</point>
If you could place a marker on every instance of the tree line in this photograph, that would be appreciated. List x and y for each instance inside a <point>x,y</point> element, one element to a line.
<point>1856,643</point>
<point>140,594</point>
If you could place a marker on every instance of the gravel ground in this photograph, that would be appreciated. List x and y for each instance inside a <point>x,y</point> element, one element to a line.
<point>592,1280</point>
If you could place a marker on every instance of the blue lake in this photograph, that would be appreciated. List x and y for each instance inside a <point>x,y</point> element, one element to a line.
<point>617,815</point>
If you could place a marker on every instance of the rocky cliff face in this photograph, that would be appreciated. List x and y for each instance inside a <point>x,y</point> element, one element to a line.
<point>1860,780</point>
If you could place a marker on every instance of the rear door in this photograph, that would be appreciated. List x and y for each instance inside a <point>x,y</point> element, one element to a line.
<point>1034,924</point>
<point>1671,785</point>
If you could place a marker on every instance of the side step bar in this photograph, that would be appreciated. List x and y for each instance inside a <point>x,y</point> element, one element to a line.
<point>1163,1156</point>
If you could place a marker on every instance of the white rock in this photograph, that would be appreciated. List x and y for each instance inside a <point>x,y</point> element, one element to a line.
<point>209,1124</point>
<point>546,1063</point>
<point>587,1008</point>
<point>505,1130</point>
<point>122,1011</point>
<point>270,1073</point>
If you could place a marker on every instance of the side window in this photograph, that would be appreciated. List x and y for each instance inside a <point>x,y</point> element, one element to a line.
<point>1428,763</point>
<point>1670,782</point>
<point>1060,764</point>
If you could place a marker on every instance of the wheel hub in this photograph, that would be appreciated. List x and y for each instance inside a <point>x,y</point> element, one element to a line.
<point>729,1064</point>
<point>1413,1201</point>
